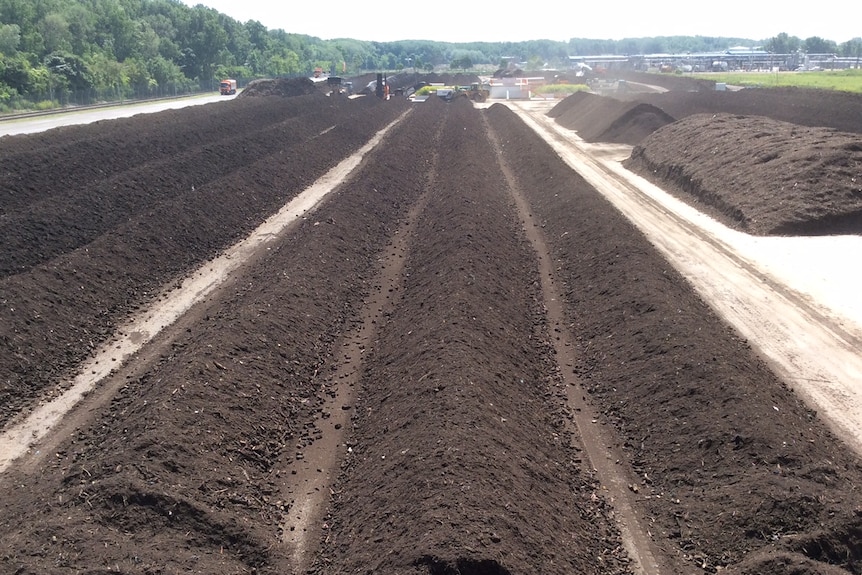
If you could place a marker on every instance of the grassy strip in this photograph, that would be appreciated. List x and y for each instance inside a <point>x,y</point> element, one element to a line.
<point>842,80</point>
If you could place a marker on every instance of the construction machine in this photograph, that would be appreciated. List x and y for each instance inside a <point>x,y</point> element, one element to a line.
<point>474,92</point>
<point>478,92</point>
<point>335,84</point>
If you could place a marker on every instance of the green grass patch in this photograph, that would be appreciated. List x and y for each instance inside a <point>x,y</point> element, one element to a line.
<point>559,89</point>
<point>842,80</point>
<point>45,105</point>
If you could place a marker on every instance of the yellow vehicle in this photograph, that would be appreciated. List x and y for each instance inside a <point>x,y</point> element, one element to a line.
<point>476,92</point>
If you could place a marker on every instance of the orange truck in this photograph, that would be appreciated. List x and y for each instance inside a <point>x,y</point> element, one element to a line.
<point>227,87</point>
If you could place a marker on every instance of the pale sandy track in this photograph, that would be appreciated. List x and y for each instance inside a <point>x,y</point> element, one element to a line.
<point>18,439</point>
<point>807,332</point>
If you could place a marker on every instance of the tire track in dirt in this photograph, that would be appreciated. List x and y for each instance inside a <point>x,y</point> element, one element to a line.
<point>598,442</point>
<point>317,465</point>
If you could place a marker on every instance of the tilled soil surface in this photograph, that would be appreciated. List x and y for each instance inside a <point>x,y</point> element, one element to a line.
<point>458,456</point>
<point>97,219</point>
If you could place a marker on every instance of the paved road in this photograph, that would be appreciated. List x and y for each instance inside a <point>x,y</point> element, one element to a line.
<point>33,124</point>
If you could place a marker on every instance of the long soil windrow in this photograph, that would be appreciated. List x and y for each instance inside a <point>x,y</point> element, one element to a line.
<point>109,202</point>
<point>214,421</point>
<point>732,464</point>
<point>47,330</point>
<point>460,460</point>
<point>317,464</point>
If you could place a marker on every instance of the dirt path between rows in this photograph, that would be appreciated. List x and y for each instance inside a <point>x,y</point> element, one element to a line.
<point>596,441</point>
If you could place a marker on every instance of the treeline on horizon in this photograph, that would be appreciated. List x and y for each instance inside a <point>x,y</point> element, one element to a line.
<point>61,52</point>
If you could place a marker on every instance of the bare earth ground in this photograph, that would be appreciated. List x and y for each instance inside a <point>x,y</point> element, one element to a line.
<point>455,452</point>
<point>790,168</point>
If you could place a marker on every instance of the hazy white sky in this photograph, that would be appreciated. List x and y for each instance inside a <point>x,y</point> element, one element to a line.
<point>466,21</point>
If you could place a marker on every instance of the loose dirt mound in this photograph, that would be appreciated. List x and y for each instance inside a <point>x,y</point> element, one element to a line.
<point>599,119</point>
<point>634,124</point>
<point>807,107</point>
<point>591,114</point>
<point>286,87</point>
<point>765,161</point>
<point>759,175</point>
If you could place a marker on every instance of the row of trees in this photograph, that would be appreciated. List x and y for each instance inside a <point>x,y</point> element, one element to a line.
<point>81,51</point>
<point>780,44</point>
<point>785,44</point>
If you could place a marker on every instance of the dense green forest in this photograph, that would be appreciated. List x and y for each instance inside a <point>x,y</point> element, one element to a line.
<point>60,52</point>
